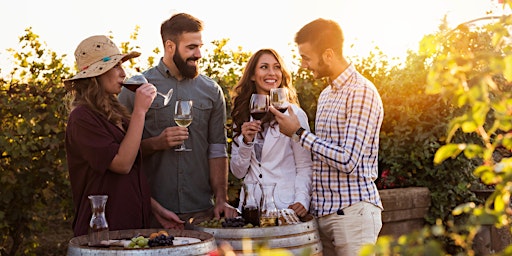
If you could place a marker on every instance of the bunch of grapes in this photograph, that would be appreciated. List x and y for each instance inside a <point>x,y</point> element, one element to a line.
<point>236,222</point>
<point>139,242</point>
<point>213,223</point>
<point>161,240</point>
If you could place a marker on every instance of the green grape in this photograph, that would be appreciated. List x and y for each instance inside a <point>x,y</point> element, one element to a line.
<point>142,242</point>
<point>138,242</point>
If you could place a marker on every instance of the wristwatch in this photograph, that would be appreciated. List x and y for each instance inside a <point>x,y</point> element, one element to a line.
<point>297,134</point>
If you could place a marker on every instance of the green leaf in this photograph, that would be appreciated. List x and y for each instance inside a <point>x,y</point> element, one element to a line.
<point>463,208</point>
<point>500,203</point>
<point>507,73</point>
<point>446,151</point>
<point>469,126</point>
<point>482,169</point>
<point>473,150</point>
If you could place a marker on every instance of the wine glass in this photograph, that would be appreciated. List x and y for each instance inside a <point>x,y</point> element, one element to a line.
<point>136,79</point>
<point>258,106</point>
<point>279,99</point>
<point>183,117</point>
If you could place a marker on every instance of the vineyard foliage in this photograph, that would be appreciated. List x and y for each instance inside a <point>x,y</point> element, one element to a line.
<point>34,186</point>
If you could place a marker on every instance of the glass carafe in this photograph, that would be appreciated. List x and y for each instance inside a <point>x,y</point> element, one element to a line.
<point>250,206</point>
<point>98,226</point>
<point>268,210</point>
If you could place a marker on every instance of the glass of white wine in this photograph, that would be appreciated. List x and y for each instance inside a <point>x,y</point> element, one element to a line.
<point>183,117</point>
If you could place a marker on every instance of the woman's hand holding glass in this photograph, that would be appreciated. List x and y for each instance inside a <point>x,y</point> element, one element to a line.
<point>145,92</point>
<point>258,108</point>
<point>250,130</point>
<point>135,80</point>
<point>144,97</point>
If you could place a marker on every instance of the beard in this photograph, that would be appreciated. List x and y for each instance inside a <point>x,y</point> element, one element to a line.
<point>322,70</point>
<point>185,70</point>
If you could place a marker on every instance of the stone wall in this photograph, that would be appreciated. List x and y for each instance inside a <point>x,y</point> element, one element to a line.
<point>404,210</point>
<point>489,239</point>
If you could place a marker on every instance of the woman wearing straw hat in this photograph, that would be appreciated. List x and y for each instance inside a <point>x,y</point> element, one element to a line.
<point>103,139</point>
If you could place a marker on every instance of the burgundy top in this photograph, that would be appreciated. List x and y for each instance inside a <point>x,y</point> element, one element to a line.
<point>91,144</point>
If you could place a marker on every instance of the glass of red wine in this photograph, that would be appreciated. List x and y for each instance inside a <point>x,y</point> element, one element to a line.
<point>137,79</point>
<point>279,99</point>
<point>258,106</point>
<point>134,81</point>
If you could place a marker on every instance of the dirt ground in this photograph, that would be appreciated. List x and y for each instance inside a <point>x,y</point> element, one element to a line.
<point>54,240</point>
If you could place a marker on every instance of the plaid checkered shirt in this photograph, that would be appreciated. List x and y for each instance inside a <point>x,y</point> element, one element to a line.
<point>345,145</point>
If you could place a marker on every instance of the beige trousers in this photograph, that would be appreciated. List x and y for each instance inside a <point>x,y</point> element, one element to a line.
<point>344,235</point>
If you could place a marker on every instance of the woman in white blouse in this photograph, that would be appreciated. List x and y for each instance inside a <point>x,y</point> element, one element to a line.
<point>259,151</point>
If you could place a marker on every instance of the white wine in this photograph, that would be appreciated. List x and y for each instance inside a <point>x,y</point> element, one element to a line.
<point>183,118</point>
<point>268,221</point>
<point>183,121</point>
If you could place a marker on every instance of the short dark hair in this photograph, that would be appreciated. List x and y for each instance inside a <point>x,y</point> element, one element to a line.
<point>322,34</point>
<point>178,24</point>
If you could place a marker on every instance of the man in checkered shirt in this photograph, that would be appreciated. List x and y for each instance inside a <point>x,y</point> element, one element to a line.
<point>345,146</point>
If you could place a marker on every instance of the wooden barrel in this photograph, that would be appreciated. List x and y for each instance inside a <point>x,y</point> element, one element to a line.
<point>78,245</point>
<point>299,239</point>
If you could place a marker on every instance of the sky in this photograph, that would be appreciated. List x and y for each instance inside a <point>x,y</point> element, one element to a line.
<point>395,26</point>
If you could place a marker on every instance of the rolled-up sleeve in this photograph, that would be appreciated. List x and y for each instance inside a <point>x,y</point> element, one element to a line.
<point>217,150</point>
<point>217,132</point>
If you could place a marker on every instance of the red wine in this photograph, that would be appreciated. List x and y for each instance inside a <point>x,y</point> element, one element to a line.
<point>132,87</point>
<point>258,115</point>
<point>282,110</point>
<point>251,215</point>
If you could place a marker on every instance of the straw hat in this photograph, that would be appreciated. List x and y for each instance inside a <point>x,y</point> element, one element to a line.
<point>95,56</point>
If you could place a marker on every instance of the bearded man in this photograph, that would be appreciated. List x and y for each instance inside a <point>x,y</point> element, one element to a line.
<point>193,184</point>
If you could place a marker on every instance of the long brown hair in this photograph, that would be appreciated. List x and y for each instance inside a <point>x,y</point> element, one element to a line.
<point>90,93</point>
<point>245,87</point>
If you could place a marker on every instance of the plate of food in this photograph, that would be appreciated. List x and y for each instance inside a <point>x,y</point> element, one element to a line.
<point>185,240</point>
